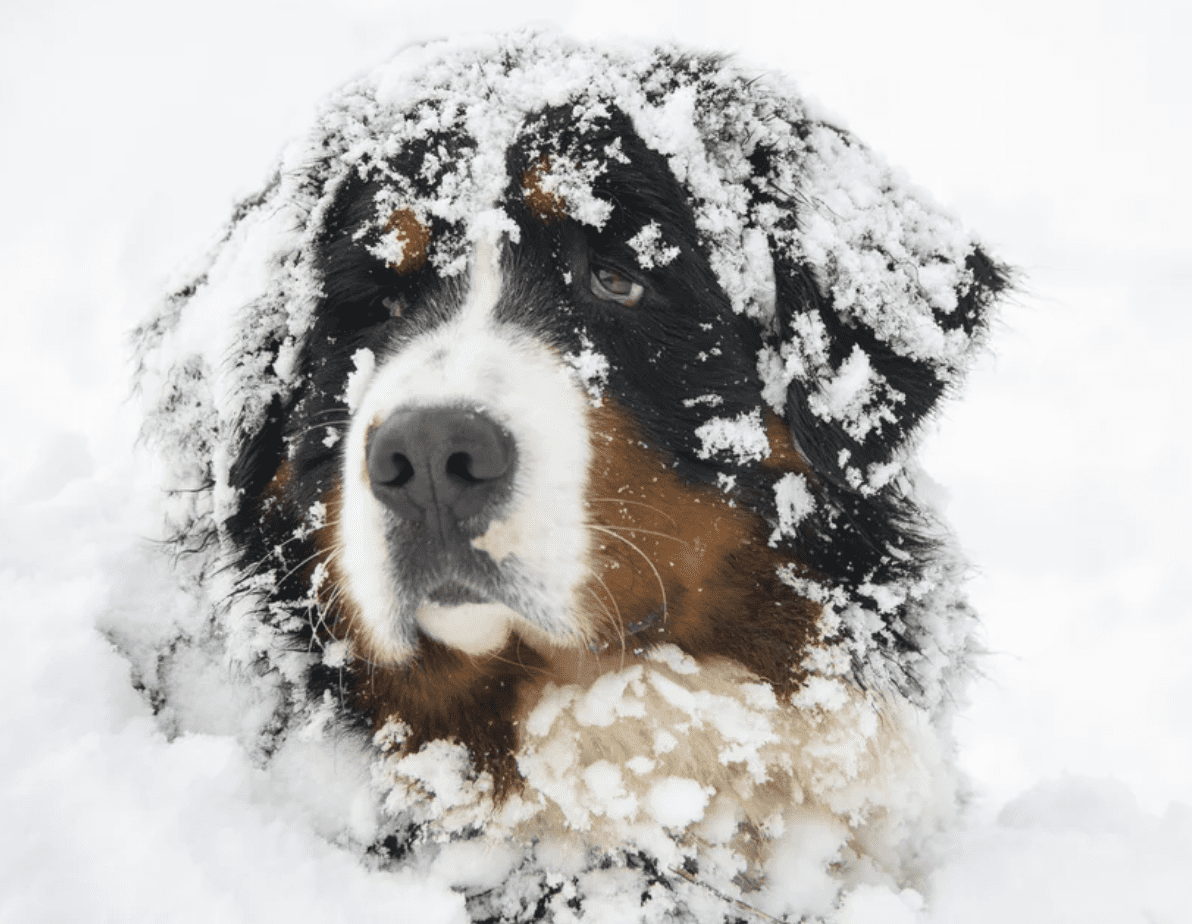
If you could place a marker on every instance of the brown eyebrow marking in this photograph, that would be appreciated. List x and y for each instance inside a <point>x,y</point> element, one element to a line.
<point>414,238</point>
<point>546,206</point>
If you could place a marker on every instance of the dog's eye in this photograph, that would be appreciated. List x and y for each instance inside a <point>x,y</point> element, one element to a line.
<point>610,286</point>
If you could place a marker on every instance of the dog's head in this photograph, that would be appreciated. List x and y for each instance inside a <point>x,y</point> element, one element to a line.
<point>532,352</point>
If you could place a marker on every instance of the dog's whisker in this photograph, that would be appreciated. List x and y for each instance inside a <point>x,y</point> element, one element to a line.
<point>620,500</point>
<point>636,548</point>
<point>633,529</point>
<point>613,615</point>
<point>264,560</point>
<point>619,620</point>
<point>309,558</point>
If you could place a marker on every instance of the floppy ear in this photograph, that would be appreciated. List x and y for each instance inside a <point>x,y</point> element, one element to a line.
<point>881,300</point>
<point>852,415</point>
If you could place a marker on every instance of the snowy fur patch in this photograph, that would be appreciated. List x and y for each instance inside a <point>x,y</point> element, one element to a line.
<point>779,774</point>
<point>651,250</point>
<point>743,437</point>
<point>794,502</point>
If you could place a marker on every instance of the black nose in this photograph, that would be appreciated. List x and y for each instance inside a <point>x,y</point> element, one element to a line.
<point>444,465</point>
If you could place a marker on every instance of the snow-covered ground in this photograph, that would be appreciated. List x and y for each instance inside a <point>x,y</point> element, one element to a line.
<point>1057,129</point>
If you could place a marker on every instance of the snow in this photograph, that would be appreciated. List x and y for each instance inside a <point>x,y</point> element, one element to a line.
<point>365,367</point>
<point>1066,463</point>
<point>677,802</point>
<point>592,370</point>
<point>651,250</point>
<point>743,436</point>
<point>793,501</point>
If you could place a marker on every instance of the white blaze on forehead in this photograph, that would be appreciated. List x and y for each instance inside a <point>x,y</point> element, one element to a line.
<point>485,281</point>
<point>473,360</point>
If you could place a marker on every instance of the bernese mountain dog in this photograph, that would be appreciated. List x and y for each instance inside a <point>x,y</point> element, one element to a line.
<point>550,415</point>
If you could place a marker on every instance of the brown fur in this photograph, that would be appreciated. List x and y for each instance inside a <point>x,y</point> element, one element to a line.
<point>709,557</point>
<point>656,538</point>
<point>544,205</point>
<point>415,240</point>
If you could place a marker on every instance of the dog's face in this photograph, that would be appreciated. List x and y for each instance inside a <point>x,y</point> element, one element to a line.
<point>530,447</point>
<point>565,355</point>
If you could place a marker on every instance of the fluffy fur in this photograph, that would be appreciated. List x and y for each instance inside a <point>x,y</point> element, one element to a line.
<point>554,409</point>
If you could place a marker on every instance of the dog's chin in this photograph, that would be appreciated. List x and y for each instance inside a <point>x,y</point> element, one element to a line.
<point>461,618</point>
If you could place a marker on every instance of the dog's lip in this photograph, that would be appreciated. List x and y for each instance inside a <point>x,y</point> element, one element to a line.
<point>452,593</point>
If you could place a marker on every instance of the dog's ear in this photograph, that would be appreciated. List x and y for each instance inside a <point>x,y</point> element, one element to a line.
<point>850,416</point>
<point>880,299</point>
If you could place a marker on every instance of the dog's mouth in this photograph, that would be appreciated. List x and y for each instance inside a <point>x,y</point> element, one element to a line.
<point>452,593</point>
<point>465,619</point>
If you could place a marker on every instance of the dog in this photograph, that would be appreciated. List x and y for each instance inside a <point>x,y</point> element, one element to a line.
<point>552,414</point>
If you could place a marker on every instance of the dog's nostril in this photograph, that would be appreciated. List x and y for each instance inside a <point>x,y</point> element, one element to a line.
<point>459,464</point>
<point>396,470</point>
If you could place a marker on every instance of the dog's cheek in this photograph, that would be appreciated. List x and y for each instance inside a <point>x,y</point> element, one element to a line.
<point>659,541</point>
<point>679,562</point>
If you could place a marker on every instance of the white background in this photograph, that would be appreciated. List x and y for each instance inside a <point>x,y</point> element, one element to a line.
<point>1058,130</point>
